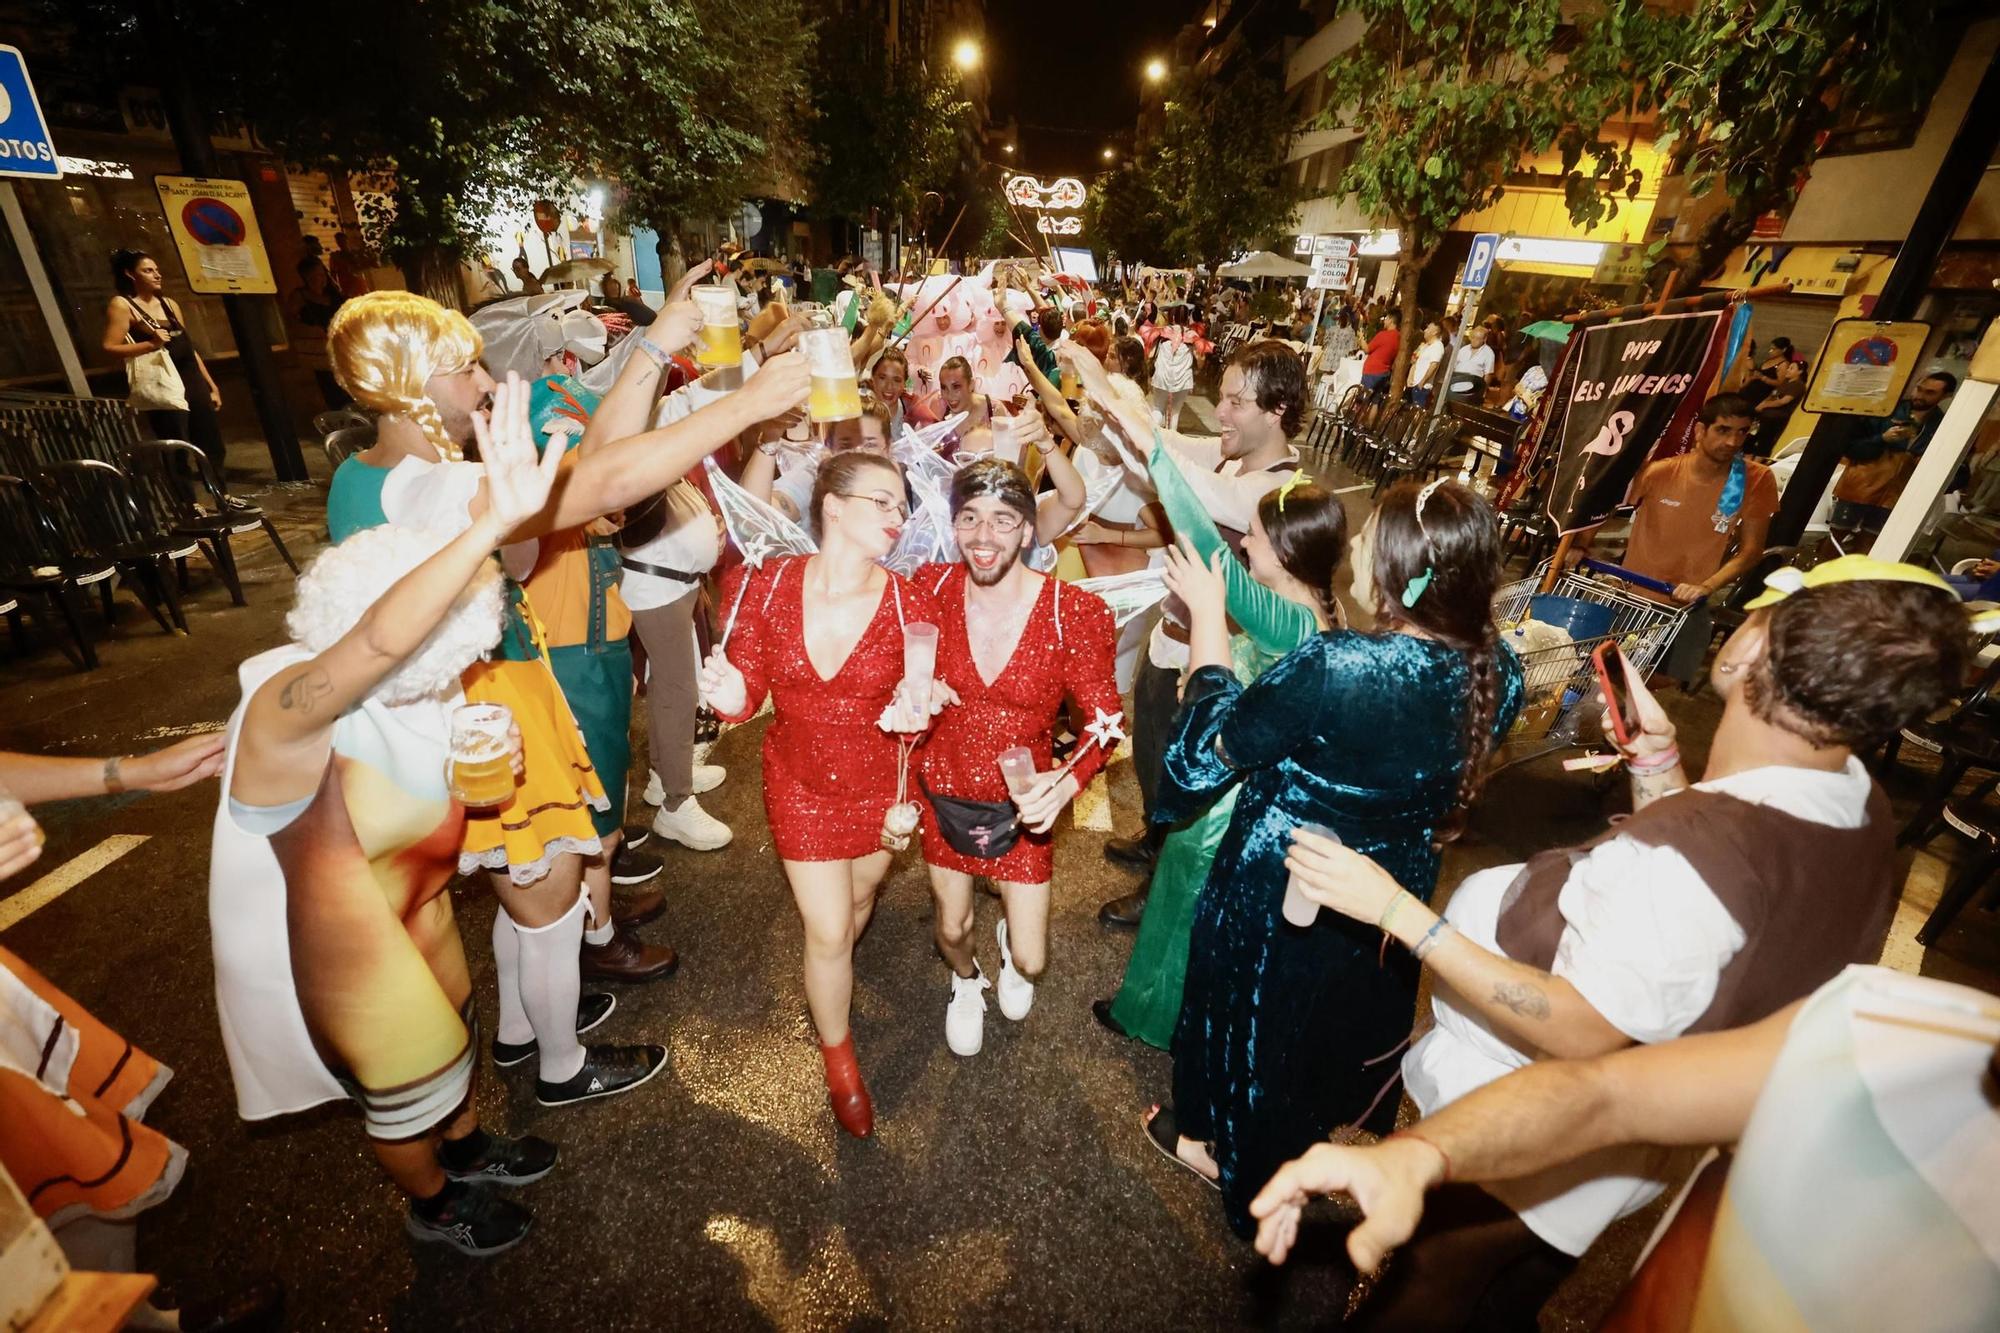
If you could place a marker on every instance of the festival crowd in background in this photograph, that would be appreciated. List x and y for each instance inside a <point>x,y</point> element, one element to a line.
<point>953,534</point>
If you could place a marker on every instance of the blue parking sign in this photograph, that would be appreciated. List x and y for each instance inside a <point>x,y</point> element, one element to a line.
<point>1479,263</point>
<point>25,146</point>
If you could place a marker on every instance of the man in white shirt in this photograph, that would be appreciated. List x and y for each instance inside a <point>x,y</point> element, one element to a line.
<point>1713,906</point>
<point>1262,405</point>
<point>1425,364</point>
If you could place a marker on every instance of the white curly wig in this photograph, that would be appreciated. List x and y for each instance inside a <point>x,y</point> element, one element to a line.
<point>345,580</point>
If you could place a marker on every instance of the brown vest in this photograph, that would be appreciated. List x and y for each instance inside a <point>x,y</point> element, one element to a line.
<point>1811,899</point>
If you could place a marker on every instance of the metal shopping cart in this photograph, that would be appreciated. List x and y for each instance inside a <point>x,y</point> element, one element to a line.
<point>1591,604</point>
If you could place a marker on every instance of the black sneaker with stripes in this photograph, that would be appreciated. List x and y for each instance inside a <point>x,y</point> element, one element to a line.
<point>592,1009</point>
<point>607,1071</point>
<point>520,1161</point>
<point>472,1219</point>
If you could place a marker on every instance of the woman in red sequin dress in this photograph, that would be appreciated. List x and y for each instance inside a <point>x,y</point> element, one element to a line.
<point>1012,645</point>
<point>822,635</point>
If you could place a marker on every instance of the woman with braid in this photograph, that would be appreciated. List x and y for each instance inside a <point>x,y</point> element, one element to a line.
<point>1381,737</point>
<point>417,365</point>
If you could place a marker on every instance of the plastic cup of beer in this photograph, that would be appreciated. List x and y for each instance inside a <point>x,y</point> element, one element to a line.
<point>1299,909</point>
<point>719,342</point>
<point>1017,768</point>
<point>1072,388</point>
<point>836,392</point>
<point>482,759</point>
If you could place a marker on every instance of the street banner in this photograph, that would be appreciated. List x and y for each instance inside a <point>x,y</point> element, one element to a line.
<point>1637,386</point>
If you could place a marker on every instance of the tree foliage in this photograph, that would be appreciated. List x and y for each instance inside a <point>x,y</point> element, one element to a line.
<point>467,107</point>
<point>1745,89</point>
<point>1447,97</point>
<point>884,133</point>
<point>1212,183</point>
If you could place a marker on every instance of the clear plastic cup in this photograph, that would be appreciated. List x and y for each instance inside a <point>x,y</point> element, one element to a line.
<point>719,342</point>
<point>836,392</point>
<point>481,774</point>
<point>1299,909</point>
<point>1006,440</point>
<point>920,645</point>
<point>1017,767</point>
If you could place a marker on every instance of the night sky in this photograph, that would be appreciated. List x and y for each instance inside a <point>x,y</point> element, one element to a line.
<point>1070,71</point>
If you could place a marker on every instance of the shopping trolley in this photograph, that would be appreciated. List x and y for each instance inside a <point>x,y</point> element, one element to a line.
<point>1592,603</point>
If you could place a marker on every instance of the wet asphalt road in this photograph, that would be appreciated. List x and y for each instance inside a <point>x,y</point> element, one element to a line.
<point>1010,1190</point>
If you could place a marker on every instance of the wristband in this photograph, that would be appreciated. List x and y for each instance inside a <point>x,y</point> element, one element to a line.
<point>1389,912</point>
<point>654,354</point>
<point>1659,763</point>
<point>1432,1145</point>
<point>1440,931</point>
<point>114,782</point>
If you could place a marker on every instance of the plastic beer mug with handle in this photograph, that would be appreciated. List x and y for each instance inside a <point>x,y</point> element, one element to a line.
<point>720,341</point>
<point>836,393</point>
<point>482,760</point>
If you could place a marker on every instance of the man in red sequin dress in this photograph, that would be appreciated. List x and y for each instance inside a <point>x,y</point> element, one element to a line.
<point>1012,646</point>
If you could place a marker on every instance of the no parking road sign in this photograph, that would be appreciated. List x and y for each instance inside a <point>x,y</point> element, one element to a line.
<point>215,230</point>
<point>25,146</point>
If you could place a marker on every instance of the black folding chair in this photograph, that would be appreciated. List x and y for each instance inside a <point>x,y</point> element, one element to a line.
<point>341,418</point>
<point>1965,739</point>
<point>178,481</point>
<point>34,564</point>
<point>343,444</point>
<point>98,519</point>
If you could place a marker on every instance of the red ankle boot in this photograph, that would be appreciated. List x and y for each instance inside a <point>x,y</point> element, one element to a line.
<point>851,1106</point>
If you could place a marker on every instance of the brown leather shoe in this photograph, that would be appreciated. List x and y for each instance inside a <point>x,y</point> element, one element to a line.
<point>636,909</point>
<point>628,958</point>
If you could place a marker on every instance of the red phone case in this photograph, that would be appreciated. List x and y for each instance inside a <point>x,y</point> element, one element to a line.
<point>1601,662</point>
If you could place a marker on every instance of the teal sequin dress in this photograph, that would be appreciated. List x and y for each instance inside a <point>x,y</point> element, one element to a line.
<point>1286,1033</point>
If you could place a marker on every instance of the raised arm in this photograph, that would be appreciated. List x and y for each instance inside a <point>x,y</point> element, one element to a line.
<point>1695,1090</point>
<point>1059,409</point>
<point>1059,509</point>
<point>281,750</point>
<point>627,408</point>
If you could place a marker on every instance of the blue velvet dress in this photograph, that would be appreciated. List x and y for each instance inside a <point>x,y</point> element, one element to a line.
<point>1284,1031</point>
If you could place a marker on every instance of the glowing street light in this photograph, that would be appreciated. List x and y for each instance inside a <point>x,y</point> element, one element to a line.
<point>1109,154</point>
<point>1006,148</point>
<point>965,54</point>
<point>1156,69</point>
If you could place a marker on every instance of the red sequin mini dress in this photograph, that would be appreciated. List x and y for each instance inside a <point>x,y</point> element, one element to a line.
<point>829,770</point>
<point>1068,648</point>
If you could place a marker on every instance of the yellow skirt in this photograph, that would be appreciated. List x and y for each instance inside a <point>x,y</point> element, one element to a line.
<point>550,812</point>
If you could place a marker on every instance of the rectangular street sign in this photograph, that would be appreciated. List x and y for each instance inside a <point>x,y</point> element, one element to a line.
<point>1334,273</point>
<point>1479,264</point>
<point>25,146</point>
<point>1303,245</point>
<point>215,230</point>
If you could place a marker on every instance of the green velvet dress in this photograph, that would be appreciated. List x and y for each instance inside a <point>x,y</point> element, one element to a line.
<point>1148,1003</point>
<point>1287,1033</point>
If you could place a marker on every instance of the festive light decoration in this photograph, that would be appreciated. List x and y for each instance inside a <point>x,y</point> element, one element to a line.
<point>1059,195</point>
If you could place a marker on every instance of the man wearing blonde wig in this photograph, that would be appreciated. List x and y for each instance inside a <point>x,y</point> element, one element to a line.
<point>417,365</point>
<point>339,971</point>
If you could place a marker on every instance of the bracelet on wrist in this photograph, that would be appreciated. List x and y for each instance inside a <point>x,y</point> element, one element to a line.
<point>114,780</point>
<point>1440,931</point>
<point>1389,912</point>
<point>654,353</point>
<point>1656,764</point>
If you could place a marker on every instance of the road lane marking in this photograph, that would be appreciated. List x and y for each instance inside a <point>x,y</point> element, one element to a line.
<point>66,877</point>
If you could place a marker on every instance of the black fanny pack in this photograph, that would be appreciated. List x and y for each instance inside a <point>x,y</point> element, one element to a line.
<point>986,830</point>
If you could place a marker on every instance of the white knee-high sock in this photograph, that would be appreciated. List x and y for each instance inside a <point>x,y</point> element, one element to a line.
<point>550,986</point>
<point>514,1028</point>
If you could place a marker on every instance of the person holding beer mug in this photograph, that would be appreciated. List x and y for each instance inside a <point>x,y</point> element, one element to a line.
<point>339,970</point>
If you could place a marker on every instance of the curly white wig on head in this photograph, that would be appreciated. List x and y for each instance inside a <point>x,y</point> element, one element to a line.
<point>345,580</point>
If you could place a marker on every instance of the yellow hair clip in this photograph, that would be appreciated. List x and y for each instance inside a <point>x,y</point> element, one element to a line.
<point>1298,478</point>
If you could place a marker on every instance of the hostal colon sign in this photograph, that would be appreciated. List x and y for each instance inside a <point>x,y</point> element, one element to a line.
<point>1064,195</point>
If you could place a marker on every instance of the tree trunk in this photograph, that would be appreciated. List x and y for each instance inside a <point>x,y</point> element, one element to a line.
<point>432,271</point>
<point>1410,270</point>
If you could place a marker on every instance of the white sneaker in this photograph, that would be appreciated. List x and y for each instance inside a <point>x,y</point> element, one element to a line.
<point>691,826</point>
<point>965,1016</point>
<point>1017,993</point>
<point>707,777</point>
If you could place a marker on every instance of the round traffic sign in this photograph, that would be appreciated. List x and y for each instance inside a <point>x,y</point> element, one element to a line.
<point>212,222</point>
<point>1872,351</point>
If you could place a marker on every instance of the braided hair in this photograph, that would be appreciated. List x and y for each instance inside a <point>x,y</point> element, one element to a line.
<point>385,346</point>
<point>1448,556</point>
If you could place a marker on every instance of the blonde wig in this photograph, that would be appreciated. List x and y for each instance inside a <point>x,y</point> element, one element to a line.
<point>385,346</point>
<point>343,581</point>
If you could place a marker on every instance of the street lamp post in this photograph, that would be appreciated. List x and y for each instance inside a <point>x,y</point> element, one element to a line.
<point>1156,70</point>
<point>965,54</point>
